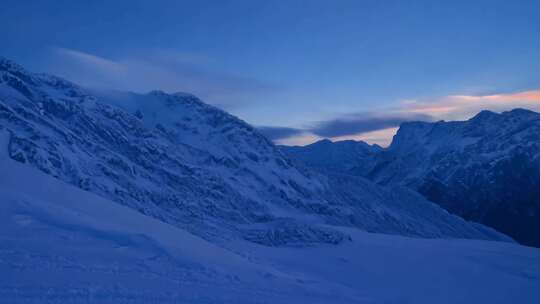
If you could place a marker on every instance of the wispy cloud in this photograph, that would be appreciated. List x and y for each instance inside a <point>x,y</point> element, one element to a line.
<point>381,137</point>
<point>359,123</point>
<point>99,63</point>
<point>164,70</point>
<point>277,133</point>
<point>465,106</point>
<point>370,127</point>
<point>298,140</point>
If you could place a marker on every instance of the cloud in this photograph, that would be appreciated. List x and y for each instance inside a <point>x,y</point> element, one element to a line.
<point>278,133</point>
<point>359,123</point>
<point>158,70</point>
<point>379,128</point>
<point>369,127</point>
<point>381,137</point>
<point>92,60</point>
<point>298,140</point>
<point>465,106</point>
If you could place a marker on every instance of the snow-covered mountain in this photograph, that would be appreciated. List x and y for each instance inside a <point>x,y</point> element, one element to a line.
<point>339,156</point>
<point>192,165</point>
<point>60,244</point>
<point>486,169</point>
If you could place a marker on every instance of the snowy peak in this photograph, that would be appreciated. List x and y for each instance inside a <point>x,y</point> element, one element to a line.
<point>354,144</point>
<point>339,156</point>
<point>520,112</point>
<point>490,120</point>
<point>473,168</point>
<point>24,86</point>
<point>410,135</point>
<point>484,115</point>
<point>485,125</point>
<point>6,64</point>
<point>189,121</point>
<point>322,142</point>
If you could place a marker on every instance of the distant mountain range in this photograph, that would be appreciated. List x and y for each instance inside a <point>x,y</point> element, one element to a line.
<point>485,169</point>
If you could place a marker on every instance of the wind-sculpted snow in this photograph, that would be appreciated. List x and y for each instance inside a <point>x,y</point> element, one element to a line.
<point>172,157</point>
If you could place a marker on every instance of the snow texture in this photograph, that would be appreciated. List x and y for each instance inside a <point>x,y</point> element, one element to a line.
<point>60,244</point>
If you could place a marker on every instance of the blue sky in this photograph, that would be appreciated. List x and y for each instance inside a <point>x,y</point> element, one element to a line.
<point>303,69</point>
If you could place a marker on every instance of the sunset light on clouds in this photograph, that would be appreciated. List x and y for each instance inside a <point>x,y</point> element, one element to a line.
<point>464,106</point>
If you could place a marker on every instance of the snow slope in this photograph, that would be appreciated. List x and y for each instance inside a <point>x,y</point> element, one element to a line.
<point>179,160</point>
<point>60,244</point>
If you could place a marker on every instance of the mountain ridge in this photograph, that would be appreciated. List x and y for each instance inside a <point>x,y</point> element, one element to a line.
<point>485,169</point>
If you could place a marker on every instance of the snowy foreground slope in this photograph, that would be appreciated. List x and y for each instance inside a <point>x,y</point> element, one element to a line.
<point>60,244</point>
<point>186,163</point>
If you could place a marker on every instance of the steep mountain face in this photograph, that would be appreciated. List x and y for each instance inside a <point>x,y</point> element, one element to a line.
<point>486,169</point>
<point>339,156</point>
<point>172,157</point>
